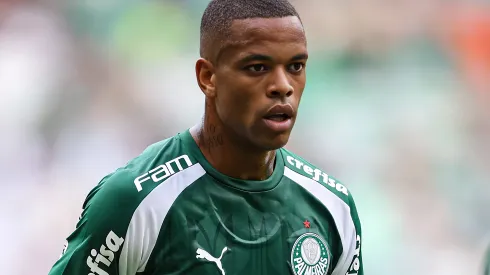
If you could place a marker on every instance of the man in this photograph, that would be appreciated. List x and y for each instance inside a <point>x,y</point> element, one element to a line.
<point>224,197</point>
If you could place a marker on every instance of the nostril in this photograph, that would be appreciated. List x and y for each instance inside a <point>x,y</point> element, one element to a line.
<point>280,93</point>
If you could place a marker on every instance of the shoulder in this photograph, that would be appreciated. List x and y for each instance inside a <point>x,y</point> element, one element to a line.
<point>123,190</point>
<point>299,169</point>
<point>123,179</point>
<point>131,204</point>
<point>339,202</point>
<point>123,213</point>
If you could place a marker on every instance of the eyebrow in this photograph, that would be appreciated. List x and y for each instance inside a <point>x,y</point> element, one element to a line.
<point>255,57</point>
<point>300,56</point>
<point>261,57</point>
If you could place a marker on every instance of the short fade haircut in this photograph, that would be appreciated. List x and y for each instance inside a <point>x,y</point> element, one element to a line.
<point>220,14</point>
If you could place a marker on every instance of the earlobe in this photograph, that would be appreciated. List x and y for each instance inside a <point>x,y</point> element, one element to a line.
<point>205,77</point>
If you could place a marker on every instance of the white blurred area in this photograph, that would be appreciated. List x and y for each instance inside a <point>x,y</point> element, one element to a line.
<point>397,106</point>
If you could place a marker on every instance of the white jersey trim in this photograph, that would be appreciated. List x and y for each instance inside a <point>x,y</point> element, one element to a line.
<point>148,217</point>
<point>340,212</point>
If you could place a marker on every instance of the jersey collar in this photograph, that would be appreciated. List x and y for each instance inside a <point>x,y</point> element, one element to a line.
<point>244,185</point>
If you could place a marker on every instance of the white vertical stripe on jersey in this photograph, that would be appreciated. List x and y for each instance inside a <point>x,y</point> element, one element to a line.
<point>148,217</point>
<point>340,212</point>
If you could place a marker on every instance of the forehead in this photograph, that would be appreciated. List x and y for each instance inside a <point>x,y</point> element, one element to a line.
<point>285,28</point>
<point>286,32</point>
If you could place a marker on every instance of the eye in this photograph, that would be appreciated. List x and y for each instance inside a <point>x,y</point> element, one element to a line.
<point>256,68</point>
<point>296,67</point>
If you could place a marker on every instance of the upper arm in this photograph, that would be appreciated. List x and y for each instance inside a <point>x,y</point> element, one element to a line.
<point>352,261</point>
<point>356,265</point>
<point>486,262</point>
<point>96,244</point>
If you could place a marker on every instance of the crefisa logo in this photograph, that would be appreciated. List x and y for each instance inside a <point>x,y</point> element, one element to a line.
<point>310,255</point>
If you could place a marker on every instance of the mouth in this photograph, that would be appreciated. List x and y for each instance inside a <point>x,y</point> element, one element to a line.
<point>280,112</point>
<point>278,117</point>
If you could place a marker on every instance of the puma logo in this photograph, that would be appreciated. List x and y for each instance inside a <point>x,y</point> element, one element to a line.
<point>202,254</point>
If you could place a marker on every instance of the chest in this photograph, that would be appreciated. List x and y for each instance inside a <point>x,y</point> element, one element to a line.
<point>245,236</point>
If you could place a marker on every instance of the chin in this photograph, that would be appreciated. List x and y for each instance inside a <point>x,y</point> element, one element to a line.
<point>274,143</point>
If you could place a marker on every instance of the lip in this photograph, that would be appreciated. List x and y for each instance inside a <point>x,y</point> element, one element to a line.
<point>281,109</point>
<point>279,126</point>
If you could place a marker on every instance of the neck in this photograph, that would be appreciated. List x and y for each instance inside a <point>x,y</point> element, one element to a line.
<point>229,156</point>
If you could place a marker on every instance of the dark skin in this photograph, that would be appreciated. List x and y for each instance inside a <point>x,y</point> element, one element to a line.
<point>261,65</point>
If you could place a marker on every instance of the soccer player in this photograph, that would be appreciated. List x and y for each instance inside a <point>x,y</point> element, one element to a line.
<point>225,197</point>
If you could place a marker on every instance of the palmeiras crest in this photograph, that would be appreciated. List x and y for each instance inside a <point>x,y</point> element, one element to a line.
<point>310,255</point>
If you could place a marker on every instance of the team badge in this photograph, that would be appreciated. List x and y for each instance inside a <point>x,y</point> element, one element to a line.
<point>310,255</point>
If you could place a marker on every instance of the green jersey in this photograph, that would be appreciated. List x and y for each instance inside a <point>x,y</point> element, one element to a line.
<point>168,211</point>
<point>486,262</point>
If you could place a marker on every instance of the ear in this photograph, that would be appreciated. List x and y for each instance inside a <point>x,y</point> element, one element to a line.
<point>205,75</point>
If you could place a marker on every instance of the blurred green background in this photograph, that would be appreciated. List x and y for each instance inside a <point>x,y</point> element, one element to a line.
<point>397,106</point>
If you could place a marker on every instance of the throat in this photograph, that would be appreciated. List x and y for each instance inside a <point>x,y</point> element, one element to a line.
<point>237,163</point>
<point>231,159</point>
<point>259,169</point>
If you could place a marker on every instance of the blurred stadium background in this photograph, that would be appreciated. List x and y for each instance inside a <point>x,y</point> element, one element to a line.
<point>397,106</point>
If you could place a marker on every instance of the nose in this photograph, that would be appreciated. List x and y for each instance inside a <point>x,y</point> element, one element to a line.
<point>280,85</point>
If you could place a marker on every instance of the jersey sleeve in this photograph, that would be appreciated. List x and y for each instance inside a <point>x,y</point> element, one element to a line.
<point>486,262</point>
<point>99,245</point>
<point>353,260</point>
